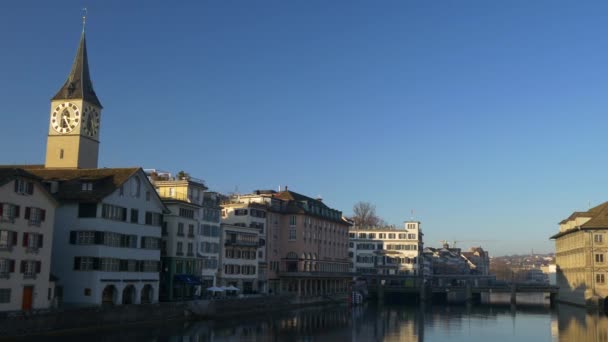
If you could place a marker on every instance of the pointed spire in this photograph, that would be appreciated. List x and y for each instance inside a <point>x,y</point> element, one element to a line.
<point>79,85</point>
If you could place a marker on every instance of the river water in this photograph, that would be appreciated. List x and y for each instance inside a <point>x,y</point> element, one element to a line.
<point>376,322</point>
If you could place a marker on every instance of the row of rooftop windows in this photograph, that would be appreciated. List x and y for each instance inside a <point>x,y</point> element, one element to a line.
<point>400,236</point>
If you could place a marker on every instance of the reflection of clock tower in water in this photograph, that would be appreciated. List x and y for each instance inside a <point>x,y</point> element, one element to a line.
<point>73,140</point>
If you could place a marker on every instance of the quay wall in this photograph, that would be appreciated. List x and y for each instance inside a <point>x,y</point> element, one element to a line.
<point>20,323</point>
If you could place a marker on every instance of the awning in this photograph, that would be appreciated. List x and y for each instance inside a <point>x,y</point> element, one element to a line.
<point>187,279</point>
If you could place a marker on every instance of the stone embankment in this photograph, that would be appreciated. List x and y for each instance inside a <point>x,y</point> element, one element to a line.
<point>57,320</point>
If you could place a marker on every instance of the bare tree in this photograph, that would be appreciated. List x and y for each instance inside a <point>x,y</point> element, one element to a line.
<point>364,215</point>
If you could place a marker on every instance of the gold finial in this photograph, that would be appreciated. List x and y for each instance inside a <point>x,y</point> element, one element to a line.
<point>84,18</point>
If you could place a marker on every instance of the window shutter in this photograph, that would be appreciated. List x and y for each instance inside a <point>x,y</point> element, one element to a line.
<point>11,267</point>
<point>99,238</point>
<point>124,214</point>
<point>76,262</point>
<point>25,238</point>
<point>38,266</point>
<point>1,207</point>
<point>143,242</point>
<point>73,237</point>
<point>42,214</point>
<point>17,210</point>
<point>40,238</point>
<point>23,266</point>
<point>14,242</point>
<point>30,188</point>
<point>28,211</point>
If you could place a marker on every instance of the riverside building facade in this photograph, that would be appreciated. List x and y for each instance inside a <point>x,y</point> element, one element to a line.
<point>306,244</point>
<point>27,214</point>
<point>581,257</point>
<point>386,250</point>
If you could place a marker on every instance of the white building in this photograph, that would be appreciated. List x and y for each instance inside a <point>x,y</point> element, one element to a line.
<point>106,245</point>
<point>245,213</point>
<point>27,213</point>
<point>239,262</point>
<point>386,250</point>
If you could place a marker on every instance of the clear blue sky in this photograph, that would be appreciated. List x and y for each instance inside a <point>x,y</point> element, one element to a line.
<point>487,118</point>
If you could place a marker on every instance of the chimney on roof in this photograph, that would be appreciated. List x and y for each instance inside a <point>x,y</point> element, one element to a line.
<point>319,198</point>
<point>286,188</point>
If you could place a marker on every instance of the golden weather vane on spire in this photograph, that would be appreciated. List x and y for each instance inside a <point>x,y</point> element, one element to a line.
<point>84,18</point>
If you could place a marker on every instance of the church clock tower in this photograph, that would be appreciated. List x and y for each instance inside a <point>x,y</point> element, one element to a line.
<point>73,140</point>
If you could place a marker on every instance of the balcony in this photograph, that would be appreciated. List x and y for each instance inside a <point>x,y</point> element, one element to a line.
<point>241,243</point>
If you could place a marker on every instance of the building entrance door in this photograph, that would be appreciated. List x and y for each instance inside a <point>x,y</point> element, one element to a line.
<point>28,296</point>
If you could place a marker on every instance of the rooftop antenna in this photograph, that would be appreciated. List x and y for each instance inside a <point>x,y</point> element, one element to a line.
<point>84,18</point>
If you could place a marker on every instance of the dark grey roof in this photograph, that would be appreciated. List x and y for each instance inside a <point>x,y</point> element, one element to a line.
<point>79,85</point>
<point>7,174</point>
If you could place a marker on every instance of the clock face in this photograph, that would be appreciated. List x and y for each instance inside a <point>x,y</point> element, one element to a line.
<point>90,121</point>
<point>66,117</point>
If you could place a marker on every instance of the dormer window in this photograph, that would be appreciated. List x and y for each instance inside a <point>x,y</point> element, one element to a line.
<point>87,186</point>
<point>24,187</point>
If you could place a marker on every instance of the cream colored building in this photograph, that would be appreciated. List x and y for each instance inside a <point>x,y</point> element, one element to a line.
<point>386,250</point>
<point>27,214</point>
<point>191,234</point>
<point>581,257</point>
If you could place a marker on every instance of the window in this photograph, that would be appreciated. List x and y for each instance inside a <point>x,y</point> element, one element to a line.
<point>32,241</point>
<point>5,295</point>
<point>9,212</point>
<point>402,236</point>
<point>134,216</point>
<point>411,236</point>
<point>8,239</point>
<point>351,235</point>
<point>292,234</point>
<point>293,220</point>
<point>85,238</point>
<point>153,219</point>
<point>240,212</point>
<point>24,187</point>
<point>188,213</point>
<point>382,236</point>
<point>190,230</point>
<point>35,216</point>
<point>30,268</point>
<point>180,229</point>
<point>372,235</point>
<point>190,249</point>
<point>135,187</point>
<point>85,263</point>
<point>180,248</point>
<point>110,265</point>
<point>149,242</point>
<point>112,239</point>
<point>87,209</point>
<point>598,238</point>
<point>87,186</point>
<point>6,266</point>
<point>362,236</point>
<point>114,212</point>
<point>599,258</point>
<point>599,278</point>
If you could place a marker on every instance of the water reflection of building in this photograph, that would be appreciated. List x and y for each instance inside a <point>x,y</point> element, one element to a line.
<point>576,324</point>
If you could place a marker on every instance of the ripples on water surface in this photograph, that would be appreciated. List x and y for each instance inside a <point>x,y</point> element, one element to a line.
<point>374,322</point>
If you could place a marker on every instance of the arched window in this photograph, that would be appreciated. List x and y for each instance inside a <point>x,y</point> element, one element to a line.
<point>292,255</point>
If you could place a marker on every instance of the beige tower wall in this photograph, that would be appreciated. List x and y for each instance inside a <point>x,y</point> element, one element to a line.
<point>78,151</point>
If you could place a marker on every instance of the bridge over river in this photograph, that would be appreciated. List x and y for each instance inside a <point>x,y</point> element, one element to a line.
<point>454,288</point>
